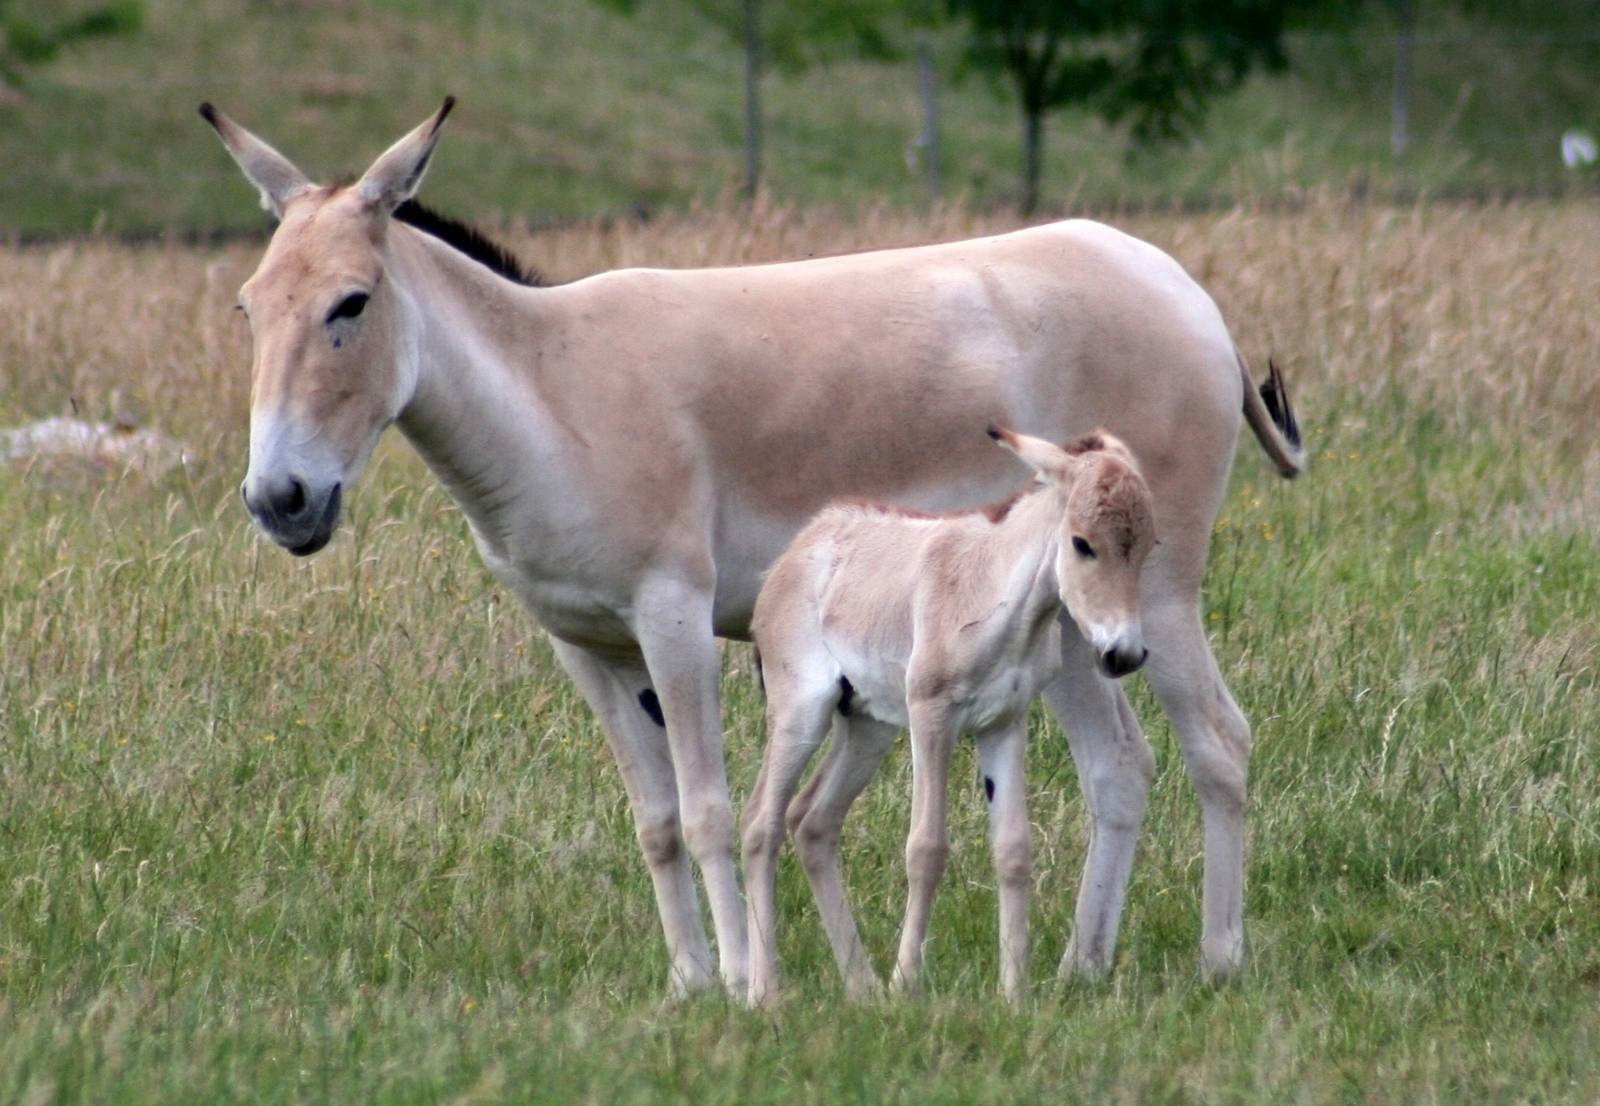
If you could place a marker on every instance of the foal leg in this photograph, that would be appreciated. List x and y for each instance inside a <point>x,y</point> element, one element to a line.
<point>797,719</point>
<point>673,624</point>
<point>859,745</point>
<point>933,737</point>
<point>1215,739</point>
<point>1115,770</point>
<point>613,687</point>
<point>1001,755</point>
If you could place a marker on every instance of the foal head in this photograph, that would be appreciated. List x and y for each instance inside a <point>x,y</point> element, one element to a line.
<point>1107,530</point>
<point>332,366</point>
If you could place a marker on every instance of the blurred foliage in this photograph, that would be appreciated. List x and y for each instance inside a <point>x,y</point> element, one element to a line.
<point>29,42</point>
<point>1155,64</point>
<point>797,35</point>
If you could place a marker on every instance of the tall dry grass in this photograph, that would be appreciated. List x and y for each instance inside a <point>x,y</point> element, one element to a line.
<point>1484,313</point>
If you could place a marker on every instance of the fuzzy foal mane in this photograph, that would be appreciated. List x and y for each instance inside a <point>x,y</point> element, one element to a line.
<point>995,510</point>
<point>468,241</point>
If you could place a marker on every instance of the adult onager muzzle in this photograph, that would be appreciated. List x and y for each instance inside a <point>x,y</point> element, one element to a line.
<point>298,520</point>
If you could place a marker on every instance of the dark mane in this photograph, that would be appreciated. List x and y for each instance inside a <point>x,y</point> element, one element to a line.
<point>468,241</point>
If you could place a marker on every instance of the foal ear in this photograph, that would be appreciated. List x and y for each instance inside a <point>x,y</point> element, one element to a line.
<point>267,169</point>
<point>1103,442</point>
<point>1046,458</point>
<point>394,177</point>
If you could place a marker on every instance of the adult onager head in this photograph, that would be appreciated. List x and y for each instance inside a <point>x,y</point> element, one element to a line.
<point>330,370</point>
<point>634,449</point>
<point>875,620</point>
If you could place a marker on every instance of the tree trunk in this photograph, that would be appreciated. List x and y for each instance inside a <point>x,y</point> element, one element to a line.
<point>927,85</point>
<point>1032,152</point>
<point>1403,15</point>
<point>752,98</point>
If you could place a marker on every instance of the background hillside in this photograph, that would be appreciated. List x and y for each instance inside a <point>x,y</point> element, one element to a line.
<point>571,109</point>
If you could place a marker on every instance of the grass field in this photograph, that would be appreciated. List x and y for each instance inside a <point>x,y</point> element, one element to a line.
<point>571,110</point>
<point>336,830</point>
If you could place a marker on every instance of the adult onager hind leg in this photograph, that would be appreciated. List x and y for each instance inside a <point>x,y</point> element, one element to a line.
<point>949,625</point>
<point>632,450</point>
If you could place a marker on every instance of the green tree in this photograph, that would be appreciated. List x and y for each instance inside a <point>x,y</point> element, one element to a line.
<point>790,34</point>
<point>1153,63</point>
<point>30,42</point>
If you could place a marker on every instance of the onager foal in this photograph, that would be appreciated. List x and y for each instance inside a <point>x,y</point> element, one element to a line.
<point>943,624</point>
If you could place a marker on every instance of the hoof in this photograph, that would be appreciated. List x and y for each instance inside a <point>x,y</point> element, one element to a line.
<point>686,985</point>
<point>905,986</point>
<point>766,999</point>
<point>1221,960</point>
<point>864,990</point>
<point>1083,965</point>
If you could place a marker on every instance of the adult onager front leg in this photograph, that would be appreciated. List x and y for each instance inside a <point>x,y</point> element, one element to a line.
<point>619,691</point>
<point>674,629</point>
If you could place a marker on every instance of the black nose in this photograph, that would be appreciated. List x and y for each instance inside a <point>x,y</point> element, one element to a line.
<point>285,502</point>
<point>1117,663</point>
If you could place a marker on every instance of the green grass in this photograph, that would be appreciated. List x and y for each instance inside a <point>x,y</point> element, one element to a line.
<point>337,830</point>
<point>569,109</point>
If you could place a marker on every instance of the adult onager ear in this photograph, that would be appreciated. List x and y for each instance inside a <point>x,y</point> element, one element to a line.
<point>275,175</point>
<point>396,175</point>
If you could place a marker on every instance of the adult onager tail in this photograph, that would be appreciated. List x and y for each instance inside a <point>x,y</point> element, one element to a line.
<point>633,450</point>
<point>947,625</point>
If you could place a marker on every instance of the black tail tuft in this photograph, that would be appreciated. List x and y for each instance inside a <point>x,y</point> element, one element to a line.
<point>1275,394</point>
<point>761,673</point>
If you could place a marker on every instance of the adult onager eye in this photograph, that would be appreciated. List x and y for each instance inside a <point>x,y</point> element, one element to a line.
<point>349,307</point>
<point>1083,548</point>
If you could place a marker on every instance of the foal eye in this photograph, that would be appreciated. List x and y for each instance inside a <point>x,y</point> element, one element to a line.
<point>1083,548</point>
<point>349,307</point>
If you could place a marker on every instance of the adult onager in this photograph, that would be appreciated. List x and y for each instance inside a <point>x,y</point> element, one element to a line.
<point>949,625</point>
<point>633,450</point>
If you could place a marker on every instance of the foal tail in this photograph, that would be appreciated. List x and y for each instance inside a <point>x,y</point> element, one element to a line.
<point>1271,416</point>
